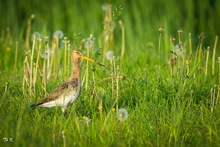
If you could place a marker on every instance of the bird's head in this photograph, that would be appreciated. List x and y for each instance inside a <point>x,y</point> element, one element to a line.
<point>75,55</point>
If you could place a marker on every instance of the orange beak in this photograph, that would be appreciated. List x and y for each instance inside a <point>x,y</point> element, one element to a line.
<point>91,60</point>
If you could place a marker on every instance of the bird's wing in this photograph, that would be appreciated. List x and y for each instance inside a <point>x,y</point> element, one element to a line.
<point>57,92</point>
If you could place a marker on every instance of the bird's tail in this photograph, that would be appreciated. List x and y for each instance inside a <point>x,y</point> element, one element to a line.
<point>33,106</point>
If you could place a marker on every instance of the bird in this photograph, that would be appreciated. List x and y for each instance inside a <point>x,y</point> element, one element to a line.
<point>68,91</point>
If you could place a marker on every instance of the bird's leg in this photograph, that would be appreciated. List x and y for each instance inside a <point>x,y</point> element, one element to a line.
<point>63,108</point>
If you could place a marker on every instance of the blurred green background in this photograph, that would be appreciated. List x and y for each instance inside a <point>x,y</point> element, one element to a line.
<point>142,18</point>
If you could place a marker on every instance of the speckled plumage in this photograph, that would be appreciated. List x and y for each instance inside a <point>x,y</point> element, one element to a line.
<point>61,96</point>
<point>67,92</point>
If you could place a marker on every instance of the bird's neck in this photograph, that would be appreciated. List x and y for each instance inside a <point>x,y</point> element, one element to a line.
<point>75,70</point>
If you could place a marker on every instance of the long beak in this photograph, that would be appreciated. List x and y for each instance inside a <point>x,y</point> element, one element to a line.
<point>91,60</point>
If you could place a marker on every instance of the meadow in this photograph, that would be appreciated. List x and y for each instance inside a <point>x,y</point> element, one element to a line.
<point>160,85</point>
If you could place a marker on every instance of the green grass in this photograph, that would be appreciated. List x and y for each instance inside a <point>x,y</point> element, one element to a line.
<point>167,106</point>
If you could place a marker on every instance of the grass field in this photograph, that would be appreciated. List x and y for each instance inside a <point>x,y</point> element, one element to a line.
<point>160,85</point>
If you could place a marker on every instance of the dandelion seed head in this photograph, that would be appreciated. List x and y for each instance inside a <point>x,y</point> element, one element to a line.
<point>58,34</point>
<point>89,42</point>
<point>178,49</point>
<point>65,41</point>
<point>36,35</point>
<point>90,39</point>
<point>46,53</point>
<point>122,114</point>
<point>109,55</point>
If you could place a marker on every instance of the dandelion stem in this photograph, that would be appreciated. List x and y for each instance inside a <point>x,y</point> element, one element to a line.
<point>64,139</point>
<point>105,46</point>
<point>52,66</point>
<point>207,61</point>
<point>24,78</point>
<point>114,66</point>
<point>48,61</point>
<point>34,75</point>
<point>44,76</point>
<point>123,41</point>
<point>37,62</point>
<point>43,83</point>
<point>27,43</point>
<point>112,75</point>
<point>68,55</point>
<point>87,67</point>
<point>117,87</point>
<point>31,63</point>
<point>110,26</point>
<point>25,72</point>
<point>55,57</point>
<point>190,43</point>
<point>213,55</point>
<point>65,48</point>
